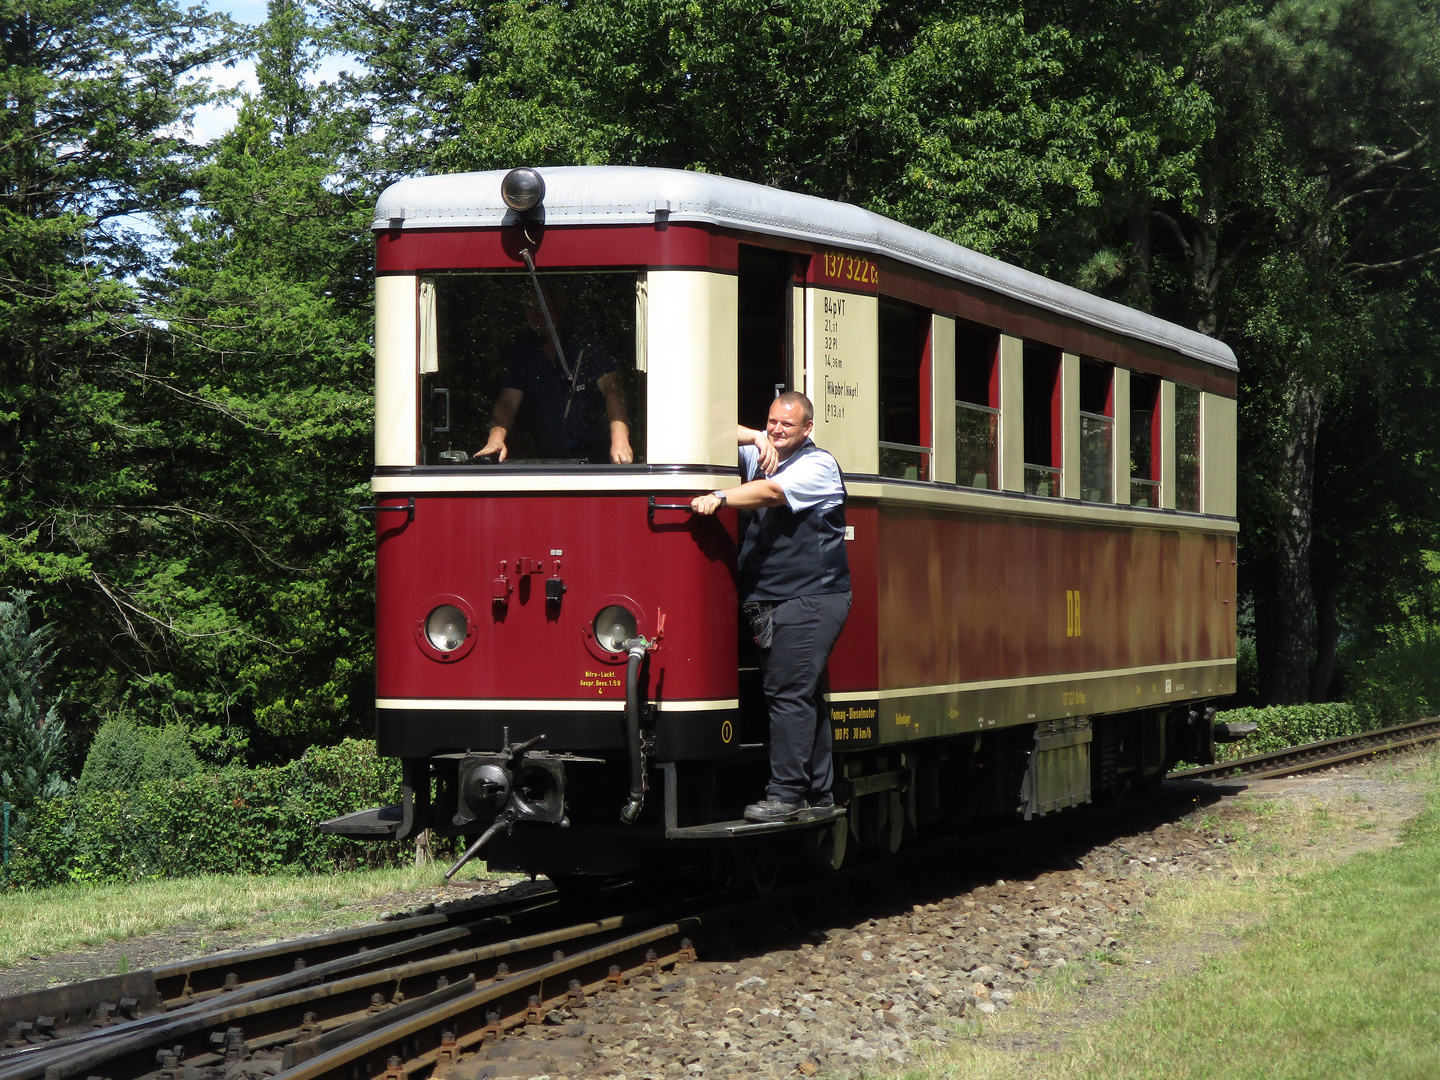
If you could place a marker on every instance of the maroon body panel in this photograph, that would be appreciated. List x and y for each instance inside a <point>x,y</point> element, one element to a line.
<point>853,664</point>
<point>941,597</point>
<point>527,649</point>
<point>409,252</point>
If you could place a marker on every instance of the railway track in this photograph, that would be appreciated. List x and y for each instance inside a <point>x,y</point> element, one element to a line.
<point>355,1007</point>
<point>1320,755</point>
<point>407,998</point>
<point>86,1010</point>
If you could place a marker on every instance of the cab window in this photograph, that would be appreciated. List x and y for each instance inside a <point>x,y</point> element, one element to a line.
<point>489,356</point>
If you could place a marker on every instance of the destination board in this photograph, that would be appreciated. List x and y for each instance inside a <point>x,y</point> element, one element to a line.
<point>842,369</point>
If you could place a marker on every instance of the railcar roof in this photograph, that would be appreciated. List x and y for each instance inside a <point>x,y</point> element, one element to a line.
<point>623,195</point>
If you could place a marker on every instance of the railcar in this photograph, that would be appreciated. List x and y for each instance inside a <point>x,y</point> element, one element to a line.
<point>1041,521</point>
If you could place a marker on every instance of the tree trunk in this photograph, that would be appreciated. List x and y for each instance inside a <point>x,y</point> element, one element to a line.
<point>1141,258</point>
<point>1285,678</point>
<point>1327,631</point>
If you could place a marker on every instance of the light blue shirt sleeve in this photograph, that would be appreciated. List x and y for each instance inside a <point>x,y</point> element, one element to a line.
<point>749,463</point>
<point>811,480</point>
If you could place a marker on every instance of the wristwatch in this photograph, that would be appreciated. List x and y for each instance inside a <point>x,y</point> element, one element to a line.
<point>721,496</point>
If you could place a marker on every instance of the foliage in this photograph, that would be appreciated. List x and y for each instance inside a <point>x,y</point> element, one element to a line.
<point>267,300</point>
<point>32,737</point>
<point>239,820</point>
<point>1313,220</point>
<point>975,122</point>
<point>1247,676</point>
<point>187,422</point>
<point>96,93</point>
<point>1400,682</point>
<point>1282,726</point>
<point>124,755</point>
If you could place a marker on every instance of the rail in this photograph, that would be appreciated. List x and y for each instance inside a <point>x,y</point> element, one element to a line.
<point>1320,755</point>
<point>310,1027</point>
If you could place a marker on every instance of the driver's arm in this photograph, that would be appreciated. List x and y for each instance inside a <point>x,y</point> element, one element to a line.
<point>620,451</point>
<point>502,419</point>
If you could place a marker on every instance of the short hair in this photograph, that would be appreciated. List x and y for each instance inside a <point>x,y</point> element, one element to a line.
<point>795,397</point>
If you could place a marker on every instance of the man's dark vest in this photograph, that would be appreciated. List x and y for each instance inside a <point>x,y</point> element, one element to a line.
<point>785,554</point>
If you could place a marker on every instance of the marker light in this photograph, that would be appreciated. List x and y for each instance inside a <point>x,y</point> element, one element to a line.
<point>446,628</point>
<point>614,626</point>
<point>522,189</point>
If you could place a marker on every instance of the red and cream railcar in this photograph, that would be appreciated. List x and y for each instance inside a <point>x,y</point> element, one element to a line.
<point>1041,519</point>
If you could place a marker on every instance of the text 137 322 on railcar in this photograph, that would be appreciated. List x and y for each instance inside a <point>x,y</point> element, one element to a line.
<point>1041,518</point>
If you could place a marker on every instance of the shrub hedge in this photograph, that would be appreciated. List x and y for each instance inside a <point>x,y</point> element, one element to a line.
<point>238,820</point>
<point>1280,726</point>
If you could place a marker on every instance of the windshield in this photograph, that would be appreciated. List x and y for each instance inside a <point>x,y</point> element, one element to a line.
<point>500,382</point>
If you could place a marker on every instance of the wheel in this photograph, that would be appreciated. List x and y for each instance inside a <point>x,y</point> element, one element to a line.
<point>895,823</point>
<point>764,873</point>
<point>828,852</point>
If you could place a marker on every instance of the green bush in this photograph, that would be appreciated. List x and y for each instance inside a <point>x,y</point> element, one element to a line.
<point>115,759</point>
<point>125,755</point>
<point>236,820</point>
<point>1280,726</point>
<point>1400,682</point>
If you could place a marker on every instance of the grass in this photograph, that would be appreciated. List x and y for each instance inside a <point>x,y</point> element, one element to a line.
<point>47,921</point>
<point>1301,966</point>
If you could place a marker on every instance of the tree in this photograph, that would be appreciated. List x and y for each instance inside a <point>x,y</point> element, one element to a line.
<point>32,737</point>
<point>1315,191</point>
<point>1024,134</point>
<point>969,120</point>
<point>266,301</point>
<point>94,94</point>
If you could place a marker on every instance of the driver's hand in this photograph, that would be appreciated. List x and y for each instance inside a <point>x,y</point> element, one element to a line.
<point>495,445</point>
<point>705,504</point>
<point>620,452</point>
<point>769,456</point>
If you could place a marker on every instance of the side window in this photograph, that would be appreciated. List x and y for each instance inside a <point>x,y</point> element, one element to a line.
<point>1043,420</point>
<point>764,332</point>
<point>1144,440</point>
<point>905,443</point>
<point>1097,431</point>
<point>1187,449</point>
<point>488,358</point>
<point>977,406</point>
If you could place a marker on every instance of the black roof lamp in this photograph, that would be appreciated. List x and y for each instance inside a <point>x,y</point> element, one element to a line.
<point>522,189</point>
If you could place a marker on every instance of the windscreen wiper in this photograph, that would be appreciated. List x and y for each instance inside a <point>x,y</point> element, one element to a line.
<point>572,376</point>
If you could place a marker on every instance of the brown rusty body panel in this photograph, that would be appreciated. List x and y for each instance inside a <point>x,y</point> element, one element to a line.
<point>993,619</point>
<point>967,597</point>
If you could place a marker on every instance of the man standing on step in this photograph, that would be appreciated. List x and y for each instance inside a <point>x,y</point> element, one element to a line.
<point>795,590</point>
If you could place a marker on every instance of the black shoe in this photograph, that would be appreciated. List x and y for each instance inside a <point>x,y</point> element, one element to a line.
<point>822,802</point>
<point>774,810</point>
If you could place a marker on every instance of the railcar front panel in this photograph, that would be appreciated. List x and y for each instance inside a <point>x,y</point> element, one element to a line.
<point>531,662</point>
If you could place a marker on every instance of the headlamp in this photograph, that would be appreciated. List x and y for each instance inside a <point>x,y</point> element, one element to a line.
<point>614,626</point>
<point>447,628</point>
<point>522,189</point>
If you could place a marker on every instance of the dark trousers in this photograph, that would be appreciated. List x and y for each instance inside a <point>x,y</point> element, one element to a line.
<point>805,631</point>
